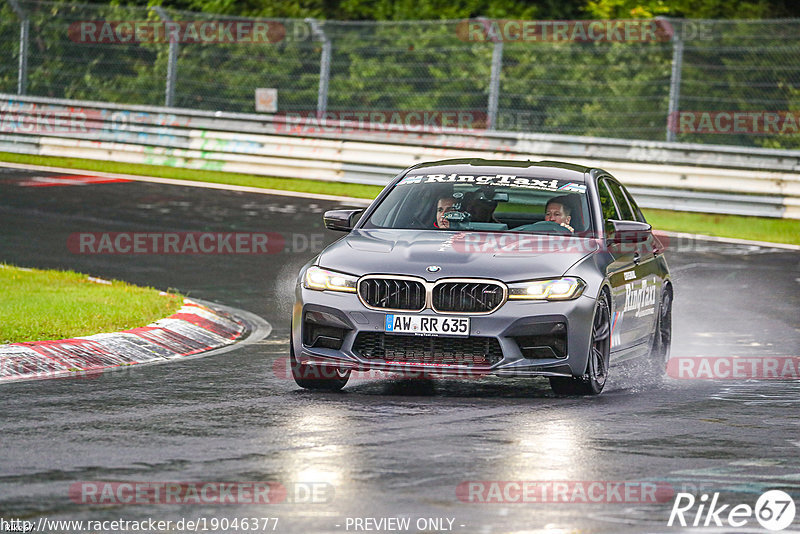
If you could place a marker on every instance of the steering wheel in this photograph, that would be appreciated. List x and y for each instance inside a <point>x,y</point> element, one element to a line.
<point>549,227</point>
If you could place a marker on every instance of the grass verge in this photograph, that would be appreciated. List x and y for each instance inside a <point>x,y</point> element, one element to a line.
<point>42,305</point>
<point>757,228</point>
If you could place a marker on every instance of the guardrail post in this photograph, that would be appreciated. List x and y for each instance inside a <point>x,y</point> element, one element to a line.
<point>675,83</point>
<point>24,32</point>
<point>172,61</point>
<point>494,80</point>
<point>324,65</point>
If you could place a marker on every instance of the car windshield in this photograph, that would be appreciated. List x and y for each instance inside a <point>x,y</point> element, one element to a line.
<point>492,203</point>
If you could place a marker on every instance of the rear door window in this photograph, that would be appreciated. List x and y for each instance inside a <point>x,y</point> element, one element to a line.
<point>637,213</point>
<point>606,202</point>
<point>625,211</point>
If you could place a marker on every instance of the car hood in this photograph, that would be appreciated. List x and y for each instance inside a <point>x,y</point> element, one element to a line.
<point>507,257</point>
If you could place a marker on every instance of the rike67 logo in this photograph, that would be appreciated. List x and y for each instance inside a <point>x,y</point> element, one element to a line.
<point>774,510</point>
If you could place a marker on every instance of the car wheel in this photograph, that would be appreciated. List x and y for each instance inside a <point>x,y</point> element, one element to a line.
<point>594,379</point>
<point>309,376</point>
<point>662,339</point>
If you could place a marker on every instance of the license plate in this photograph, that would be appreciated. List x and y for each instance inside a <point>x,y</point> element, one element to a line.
<point>426,325</point>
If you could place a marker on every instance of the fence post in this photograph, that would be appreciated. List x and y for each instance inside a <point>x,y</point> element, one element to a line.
<point>324,65</point>
<point>494,84</point>
<point>24,32</point>
<point>494,80</point>
<point>675,83</point>
<point>172,61</point>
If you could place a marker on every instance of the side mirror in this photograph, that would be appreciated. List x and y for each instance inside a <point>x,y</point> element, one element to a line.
<point>341,220</point>
<point>630,231</point>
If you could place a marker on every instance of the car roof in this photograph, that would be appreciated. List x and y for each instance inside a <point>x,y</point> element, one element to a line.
<point>554,169</point>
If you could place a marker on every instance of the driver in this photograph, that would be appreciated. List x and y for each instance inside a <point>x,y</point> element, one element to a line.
<point>444,205</point>
<point>558,210</point>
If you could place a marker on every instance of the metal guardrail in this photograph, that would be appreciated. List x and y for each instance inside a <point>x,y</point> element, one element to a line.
<point>704,178</point>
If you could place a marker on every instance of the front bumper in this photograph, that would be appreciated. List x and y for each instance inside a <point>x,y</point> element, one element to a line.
<point>326,326</point>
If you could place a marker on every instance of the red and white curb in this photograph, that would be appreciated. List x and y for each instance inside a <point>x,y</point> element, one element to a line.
<point>195,328</point>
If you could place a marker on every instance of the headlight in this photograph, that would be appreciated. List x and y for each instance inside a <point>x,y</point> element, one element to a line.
<point>320,279</point>
<point>557,289</point>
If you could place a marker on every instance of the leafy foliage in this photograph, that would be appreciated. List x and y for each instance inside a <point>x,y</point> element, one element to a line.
<point>610,89</point>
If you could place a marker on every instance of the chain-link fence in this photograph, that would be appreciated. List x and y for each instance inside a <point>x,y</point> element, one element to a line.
<point>721,82</point>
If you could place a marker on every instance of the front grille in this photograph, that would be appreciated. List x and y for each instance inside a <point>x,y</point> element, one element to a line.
<point>392,293</point>
<point>468,351</point>
<point>467,297</point>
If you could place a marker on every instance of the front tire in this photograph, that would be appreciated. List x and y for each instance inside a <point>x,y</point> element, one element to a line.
<point>317,377</point>
<point>594,379</point>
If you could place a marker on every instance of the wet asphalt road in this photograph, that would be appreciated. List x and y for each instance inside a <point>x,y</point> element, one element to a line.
<point>382,448</point>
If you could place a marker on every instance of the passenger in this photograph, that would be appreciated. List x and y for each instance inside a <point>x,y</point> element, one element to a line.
<point>444,205</point>
<point>558,210</point>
